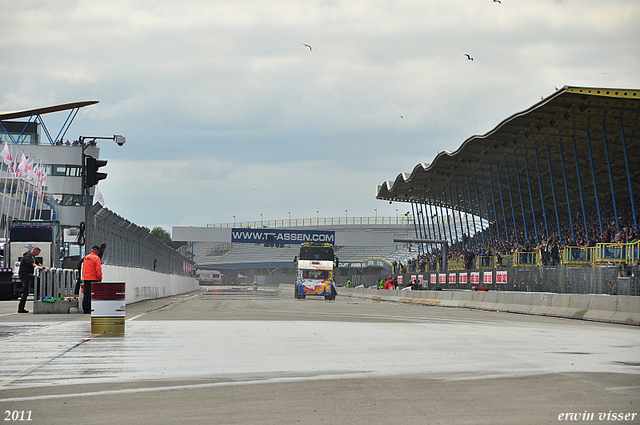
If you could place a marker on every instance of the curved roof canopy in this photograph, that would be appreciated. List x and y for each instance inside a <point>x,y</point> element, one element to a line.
<point>571,139</point>
<point>27,113</point>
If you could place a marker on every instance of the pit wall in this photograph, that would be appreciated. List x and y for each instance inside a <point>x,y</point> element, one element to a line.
<point>144,284</point>
<point>601,308</point>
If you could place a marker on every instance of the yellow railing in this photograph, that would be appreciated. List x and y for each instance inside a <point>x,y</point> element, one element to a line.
<point>610,253</point>
<point>526,259</point>
<point>455,265</point>
<point>578,256</point>
<point>633,253</point>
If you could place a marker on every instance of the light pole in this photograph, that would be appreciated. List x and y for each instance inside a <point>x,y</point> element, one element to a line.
<point>234,221</point>
<point>376,210</point>
<point>289,218</point>
<point>86,183</point>
<point>261,225</point>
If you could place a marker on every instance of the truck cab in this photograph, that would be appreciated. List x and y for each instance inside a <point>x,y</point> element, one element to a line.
<point>315,266</point>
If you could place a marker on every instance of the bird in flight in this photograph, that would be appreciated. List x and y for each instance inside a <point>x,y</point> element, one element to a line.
<point>497,1</point>
<point>468,57</point>
<point>306,45</point>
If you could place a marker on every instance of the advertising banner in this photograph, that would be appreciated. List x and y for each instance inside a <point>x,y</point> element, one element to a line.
<point>282,236</point>
<point>501,277</point>
<point>475,278</point>
<point>442,278</point>
<point>452,279</point>
<point>487,278</point>
<point>434,279</point>
<point>463,278</point>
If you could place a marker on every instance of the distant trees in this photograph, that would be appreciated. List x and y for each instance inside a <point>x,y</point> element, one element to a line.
<point>164,236</point>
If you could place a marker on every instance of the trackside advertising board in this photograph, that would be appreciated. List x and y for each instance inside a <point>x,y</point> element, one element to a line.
<point>282,236</point>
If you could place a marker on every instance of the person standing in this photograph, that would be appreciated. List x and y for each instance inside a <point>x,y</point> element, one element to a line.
<point>28,264</point>
<point>91,272</point>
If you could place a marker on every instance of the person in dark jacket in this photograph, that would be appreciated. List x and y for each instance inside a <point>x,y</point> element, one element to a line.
<point>28,264</point>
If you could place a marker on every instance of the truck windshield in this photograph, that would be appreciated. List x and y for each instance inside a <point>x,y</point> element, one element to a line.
<point>322,253</point>
<point>315,274</point>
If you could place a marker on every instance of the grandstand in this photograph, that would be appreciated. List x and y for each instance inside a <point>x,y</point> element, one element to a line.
<point>556,182</point>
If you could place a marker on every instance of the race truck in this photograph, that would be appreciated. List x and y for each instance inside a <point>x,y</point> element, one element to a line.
<point>315,271</point>
<point>24,235</point>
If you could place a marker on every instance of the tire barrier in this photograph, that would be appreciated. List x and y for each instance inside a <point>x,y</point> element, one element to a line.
<point>622,309</point>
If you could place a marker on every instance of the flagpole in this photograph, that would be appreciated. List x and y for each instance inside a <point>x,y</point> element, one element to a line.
<point>6,180</point>
<point>14,198</point>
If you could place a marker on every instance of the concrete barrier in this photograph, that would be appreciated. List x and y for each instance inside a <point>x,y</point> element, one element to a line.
<point>602,308</point>
<point>628,310</point>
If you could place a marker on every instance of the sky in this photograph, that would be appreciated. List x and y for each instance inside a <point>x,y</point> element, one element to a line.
<point>229,116</point>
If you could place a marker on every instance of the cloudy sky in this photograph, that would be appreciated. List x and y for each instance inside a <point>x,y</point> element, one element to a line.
<point>227,113</point>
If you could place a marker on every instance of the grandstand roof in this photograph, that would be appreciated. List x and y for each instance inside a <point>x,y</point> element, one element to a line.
<point>562,124</point>
<point>27,113</point>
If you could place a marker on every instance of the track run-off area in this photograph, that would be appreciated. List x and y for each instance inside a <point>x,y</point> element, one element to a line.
<point>239,356</point>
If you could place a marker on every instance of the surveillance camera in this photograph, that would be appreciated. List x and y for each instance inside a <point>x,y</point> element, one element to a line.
<point>120,140</point>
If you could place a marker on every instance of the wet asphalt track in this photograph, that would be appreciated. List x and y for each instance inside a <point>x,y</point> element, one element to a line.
<point>243,356</point>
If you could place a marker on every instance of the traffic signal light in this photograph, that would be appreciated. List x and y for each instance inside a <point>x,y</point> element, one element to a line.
<point>92,176</point>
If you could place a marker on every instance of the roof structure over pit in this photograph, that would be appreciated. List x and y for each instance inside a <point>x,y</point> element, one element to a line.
<point>575,149</point>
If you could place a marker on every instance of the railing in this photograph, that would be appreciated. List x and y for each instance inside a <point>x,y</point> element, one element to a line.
<point>633,253</point>
<point>526,259</point>
<point>610,253</point>
<point>318,221</point>
<point>578,256</point>
<point>485,262</point>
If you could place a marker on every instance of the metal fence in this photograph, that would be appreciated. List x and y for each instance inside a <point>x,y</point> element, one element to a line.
<point>129,245</point>
<point>558,279</point>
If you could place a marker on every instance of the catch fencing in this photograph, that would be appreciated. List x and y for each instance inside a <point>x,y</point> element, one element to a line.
<point>557,279</point>
<point>129,245</point>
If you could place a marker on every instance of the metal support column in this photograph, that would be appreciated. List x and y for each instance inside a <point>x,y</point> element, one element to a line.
<point>475,183</point>
<point>626,162</point>
<point>513,211</point>
<point>466,214</point>
<point>473,214</point>
<point>524,217</point>
<point>566,189</point>
<point>584,213</point>
<point>448,224</point>
<point>533,210</point>
<point>613,194</point>
<point>504,214</point>
<point>593,176</point>
<point>486,207</point>
<point>416,223</point>
<point>453,216</point>
<point>495,210</point>
<point>553,192</point>
<point>544,209</point>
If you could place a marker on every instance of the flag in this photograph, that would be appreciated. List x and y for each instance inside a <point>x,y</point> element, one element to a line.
<point>97,197</point>
<point>6,155</point>
<point>22,168</point>
<point>29,170</point>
